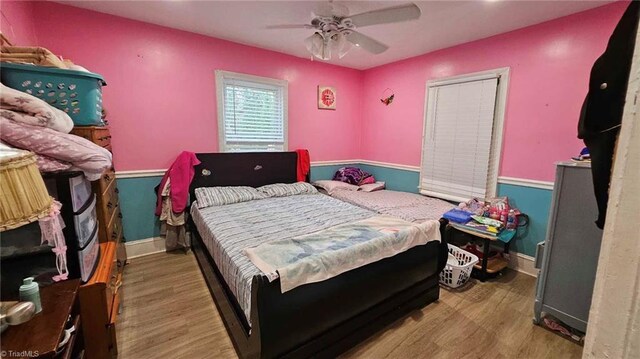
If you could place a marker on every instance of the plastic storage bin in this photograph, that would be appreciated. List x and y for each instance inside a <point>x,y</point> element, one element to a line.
<point>77,93</point>
<point>459,266</point>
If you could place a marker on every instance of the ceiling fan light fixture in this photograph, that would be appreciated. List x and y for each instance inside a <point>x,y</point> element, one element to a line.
<point>315,44</point>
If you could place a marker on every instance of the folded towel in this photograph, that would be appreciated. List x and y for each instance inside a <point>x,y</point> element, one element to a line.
<point>31,55</point>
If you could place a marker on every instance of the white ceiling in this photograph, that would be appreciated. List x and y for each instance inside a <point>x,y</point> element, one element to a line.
<point>442,24</point>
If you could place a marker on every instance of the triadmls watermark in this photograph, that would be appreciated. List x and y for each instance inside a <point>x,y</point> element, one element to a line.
<point>19,354</point>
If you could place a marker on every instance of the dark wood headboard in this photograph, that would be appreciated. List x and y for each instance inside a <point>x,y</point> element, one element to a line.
<point>253,169</point>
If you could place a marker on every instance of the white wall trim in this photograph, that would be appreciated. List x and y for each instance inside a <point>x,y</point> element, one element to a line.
<point>140,173</point>
<point>523,263</point>
<point>144,247</point>
<point>526,182</point>
<point>334,162</point>
<point>391,165</point>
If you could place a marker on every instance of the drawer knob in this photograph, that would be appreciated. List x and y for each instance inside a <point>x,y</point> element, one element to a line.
<point>109,205</point>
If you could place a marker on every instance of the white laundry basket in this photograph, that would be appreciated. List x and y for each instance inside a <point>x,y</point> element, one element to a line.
<point>458,268</point>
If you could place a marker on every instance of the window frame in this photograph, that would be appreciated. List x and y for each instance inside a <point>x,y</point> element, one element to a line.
<point>495,154</point>
<point>222,75</point>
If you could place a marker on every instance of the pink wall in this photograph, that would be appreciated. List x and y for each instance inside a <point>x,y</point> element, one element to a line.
<point>161,95</point>
<point>17,22</point>
<point>550,66</point>
<point>161,92</point>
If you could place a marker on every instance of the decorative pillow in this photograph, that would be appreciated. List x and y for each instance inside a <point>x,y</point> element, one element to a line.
<point>370,187</point>
<point>331,186</point>
<point>287,189</point>
<point>353,175</point>
<point>218,196</point>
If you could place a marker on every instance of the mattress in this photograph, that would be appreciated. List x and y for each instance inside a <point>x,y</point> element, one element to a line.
<point>227,230</point>
<point>408,206</point>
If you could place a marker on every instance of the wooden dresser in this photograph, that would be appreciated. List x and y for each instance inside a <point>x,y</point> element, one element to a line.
<point>42,334</point>
<point>101,296</point>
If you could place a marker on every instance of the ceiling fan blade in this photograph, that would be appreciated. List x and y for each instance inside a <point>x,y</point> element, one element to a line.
<point>386,16</point>
<point>301,26</point>
<point>365,42</point>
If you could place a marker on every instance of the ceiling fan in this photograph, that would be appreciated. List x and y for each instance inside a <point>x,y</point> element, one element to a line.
<point>335,30</point>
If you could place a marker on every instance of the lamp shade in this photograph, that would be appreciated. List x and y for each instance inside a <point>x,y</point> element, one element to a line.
<point>23,195</point>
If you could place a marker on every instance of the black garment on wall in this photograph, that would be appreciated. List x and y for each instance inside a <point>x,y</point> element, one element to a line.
<point>602,110</point>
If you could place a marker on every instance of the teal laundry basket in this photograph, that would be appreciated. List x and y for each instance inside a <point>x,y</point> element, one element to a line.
<point>77,93</point>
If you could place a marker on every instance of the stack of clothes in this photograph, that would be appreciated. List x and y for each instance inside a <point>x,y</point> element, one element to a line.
<point>30,123</point>
<point>31,55</point>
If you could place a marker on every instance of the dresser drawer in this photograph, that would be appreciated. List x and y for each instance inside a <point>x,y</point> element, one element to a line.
<point>98,135</point>
<point>109,202</point>
<point>114,229</point>
<point>100,186</point>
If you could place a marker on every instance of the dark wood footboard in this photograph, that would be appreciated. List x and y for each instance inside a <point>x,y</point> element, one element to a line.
<point>326,318</point>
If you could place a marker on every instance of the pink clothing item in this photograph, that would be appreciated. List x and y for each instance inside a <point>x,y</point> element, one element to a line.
<point>181,173</point>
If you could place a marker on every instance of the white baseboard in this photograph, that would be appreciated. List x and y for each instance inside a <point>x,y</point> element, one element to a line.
<point>523,264</point>
<point>144,247</point>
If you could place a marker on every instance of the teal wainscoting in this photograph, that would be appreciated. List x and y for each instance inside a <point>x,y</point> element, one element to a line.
<point>138,205</point>
<point>324,172</point>
<point>138,200</point>
<point>535,202</point>
<point>395,179</point>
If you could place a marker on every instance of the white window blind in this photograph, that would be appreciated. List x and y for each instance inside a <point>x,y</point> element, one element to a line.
<point>457,155</point>
<point>253,113</point>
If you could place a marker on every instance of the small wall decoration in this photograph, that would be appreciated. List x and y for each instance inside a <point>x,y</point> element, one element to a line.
<point>387,97</point>
<point>326,98</point>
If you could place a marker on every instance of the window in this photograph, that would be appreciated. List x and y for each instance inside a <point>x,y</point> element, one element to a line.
<point>252,113</point>
<point>463,135</point>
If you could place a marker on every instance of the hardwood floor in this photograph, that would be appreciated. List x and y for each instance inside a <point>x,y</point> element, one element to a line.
<point>168,313</point>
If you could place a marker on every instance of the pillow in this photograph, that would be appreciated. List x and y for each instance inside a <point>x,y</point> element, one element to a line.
<point>331,186</point>
<point>287,189</point>
<point>370,187</point>
<point>353,175</point>
<point>218,196</point>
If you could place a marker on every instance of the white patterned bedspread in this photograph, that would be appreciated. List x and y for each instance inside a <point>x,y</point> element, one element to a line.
<point>408,206</point>
<point>227,230</point>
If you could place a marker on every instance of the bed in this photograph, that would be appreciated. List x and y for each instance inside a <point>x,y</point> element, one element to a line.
<point>408,206</point>
<point>319,319</point>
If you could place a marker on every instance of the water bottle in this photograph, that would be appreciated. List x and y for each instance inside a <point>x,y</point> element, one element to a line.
<point>503,216</point>
<point>511,220</point>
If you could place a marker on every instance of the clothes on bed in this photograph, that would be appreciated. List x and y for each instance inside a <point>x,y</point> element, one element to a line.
<point>228,230</point>
<point>353,175</point>
<point>325,254</point>
<point>304,165</point>
<point>181,173</point>
<point>408,206</point>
